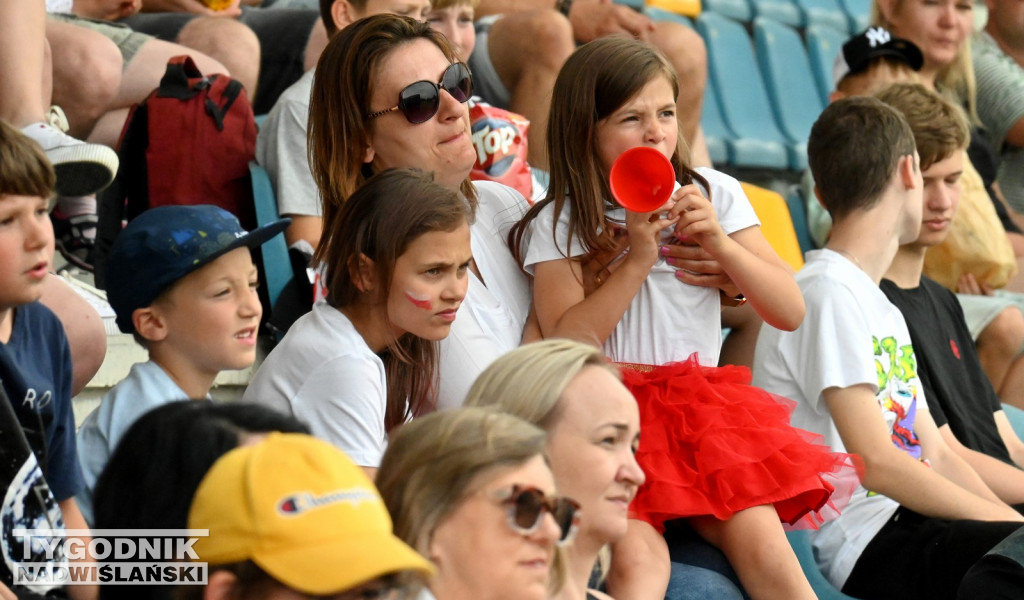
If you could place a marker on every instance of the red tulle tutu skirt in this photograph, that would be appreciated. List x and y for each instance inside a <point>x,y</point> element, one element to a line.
<point>712,444</point>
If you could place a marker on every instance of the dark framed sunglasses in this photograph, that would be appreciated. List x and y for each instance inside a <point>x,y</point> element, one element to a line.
<point>526,507</point>
<point>419,101</point>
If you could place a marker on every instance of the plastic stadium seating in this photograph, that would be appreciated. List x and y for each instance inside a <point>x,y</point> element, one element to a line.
<point>798,215</point>
<point>716,132</point>
<point>783,11</point>
<point>739,10</point>
<point>824,12</point>
<point>276,265</point>
<point>823,44</point>
<point>661,14</point>
<point>805,554</point>
<point>790,84</point>
<point>741,94</point>
<point>859,14</point>
<point>689,8</point>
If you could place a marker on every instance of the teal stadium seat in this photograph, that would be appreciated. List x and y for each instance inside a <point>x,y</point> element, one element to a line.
<point>805,554</point>
<point>716,132</point>
<point>739,10</point>
<point>824,12</point>
<point>783,11</point>
<point>823,44</point>
<point>660,14</point>
<point>743,101</point>
<point>790,84</point>
<point>276,265</point>
<point>859,14</point>
<point>798,213</point>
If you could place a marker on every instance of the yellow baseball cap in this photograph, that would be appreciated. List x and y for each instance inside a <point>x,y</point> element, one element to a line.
<point>301,510</point>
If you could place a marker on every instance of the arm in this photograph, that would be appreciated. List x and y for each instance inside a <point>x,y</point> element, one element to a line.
<point>190,6</point>
<point>640,565</point>
<point>304,227</point>
<point>563,310</point>
<point>590,19</point>
<point>889,471</point>
<point>1006,481</point>
<point>947,462</point>
<point>745,256</point>
<point>73,519</point>
<point>1010,439</point>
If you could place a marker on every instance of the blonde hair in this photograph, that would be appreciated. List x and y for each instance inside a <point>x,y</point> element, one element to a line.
<point>528,382</point>
<point>955,80</point>
<point>434,462</point>
<point>940,127</point>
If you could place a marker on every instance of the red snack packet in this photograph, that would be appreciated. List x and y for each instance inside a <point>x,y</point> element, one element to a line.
<point>499,137</point>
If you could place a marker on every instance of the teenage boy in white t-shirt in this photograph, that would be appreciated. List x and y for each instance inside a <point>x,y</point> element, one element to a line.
<point>922,517</point>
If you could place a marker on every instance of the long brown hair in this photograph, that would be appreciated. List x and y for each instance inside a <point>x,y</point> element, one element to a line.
<point>342,86</point>
<point>380,220</point>
<point>597,80</point>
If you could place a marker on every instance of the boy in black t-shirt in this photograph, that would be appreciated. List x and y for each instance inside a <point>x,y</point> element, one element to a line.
<point>960,396</point>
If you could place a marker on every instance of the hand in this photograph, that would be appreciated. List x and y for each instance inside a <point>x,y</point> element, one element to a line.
<point>969,284</point>
<point>696,267</point>
<point>592,19</point>
<point>644,233</point>
<point>106,10</point>
<point>698,222</point>
<point>195,7</point>
<point>600,265</point>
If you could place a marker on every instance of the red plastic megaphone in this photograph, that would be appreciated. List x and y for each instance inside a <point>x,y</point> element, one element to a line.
<point>642,179</point>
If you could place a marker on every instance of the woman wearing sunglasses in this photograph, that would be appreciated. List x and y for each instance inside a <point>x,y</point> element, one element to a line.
<point>389,91</point>
<point>593,428</point>
<point>471,490</point>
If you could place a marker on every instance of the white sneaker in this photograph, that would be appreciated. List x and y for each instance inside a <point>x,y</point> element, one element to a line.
<point>82,169</point>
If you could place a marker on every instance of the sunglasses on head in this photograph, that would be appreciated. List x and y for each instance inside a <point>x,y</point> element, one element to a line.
<point>526,506</point>
<point>419,101</point>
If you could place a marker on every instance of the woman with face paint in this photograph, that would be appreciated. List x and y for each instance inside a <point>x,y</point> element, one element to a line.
<point>365,359</point>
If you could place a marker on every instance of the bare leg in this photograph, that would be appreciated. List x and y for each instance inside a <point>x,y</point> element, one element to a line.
<point>228,41</point>
<point>21,61</point>
<point>1012,390</point>
<point>738,346</point>
<point>755,544</point>
<point>140,77</point>
<point>86,72</point>
<point>83,327</point>
<point>999,344</point>
<point>527,50</point>
<point>685,49</point>
<point>640,566</point>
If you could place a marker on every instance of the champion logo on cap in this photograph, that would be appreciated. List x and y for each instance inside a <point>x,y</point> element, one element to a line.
<point>877,36</point>
<point>296,504</point>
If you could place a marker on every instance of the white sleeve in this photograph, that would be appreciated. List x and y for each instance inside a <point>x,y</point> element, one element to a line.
<point>831,346</point>
<point>732,207</point>
<point>541,245</point>
<point>281,150</point>
<point>343,401</point>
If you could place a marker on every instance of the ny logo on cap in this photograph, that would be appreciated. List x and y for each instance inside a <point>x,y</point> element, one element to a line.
<point>877,36</point>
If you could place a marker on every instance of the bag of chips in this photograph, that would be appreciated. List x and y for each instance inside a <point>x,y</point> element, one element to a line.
<point>499,137</point>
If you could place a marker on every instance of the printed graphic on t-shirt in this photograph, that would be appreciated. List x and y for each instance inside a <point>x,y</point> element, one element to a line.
<point>27,504</point>
<point>896,369</point>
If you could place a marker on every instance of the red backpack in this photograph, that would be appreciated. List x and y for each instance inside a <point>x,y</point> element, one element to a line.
<point>189,142</point>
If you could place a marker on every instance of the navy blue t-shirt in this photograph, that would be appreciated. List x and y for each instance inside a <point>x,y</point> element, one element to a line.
<point>36,374</point>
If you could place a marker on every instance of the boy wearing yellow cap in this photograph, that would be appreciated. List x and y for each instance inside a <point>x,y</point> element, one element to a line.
<point>292,514</point>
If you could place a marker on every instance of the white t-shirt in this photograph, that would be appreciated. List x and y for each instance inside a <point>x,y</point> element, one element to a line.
<point>491,319</point>
<point>324,374</point>
<point>668,320</point>
<point>851,335</point>
<point>281,150</point>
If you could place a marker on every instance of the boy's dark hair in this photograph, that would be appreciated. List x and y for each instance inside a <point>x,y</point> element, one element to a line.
<point>328,19</point>
<point>940,127</point>
<point>854,148</point>
<point>24,168</point>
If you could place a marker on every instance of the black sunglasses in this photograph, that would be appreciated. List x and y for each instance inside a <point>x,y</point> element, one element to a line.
<point>526,506</point>
<point>419,101</point>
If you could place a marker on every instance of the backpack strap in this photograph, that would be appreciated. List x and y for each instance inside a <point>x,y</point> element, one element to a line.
<point>231,93</point>
<point>177,79</point>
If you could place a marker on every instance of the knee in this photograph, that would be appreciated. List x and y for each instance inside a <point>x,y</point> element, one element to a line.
<point>1005,334</point>
<point>685,50</point>
<point>87,76</point>
<point>228,42</point>
<point>549,38</point>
